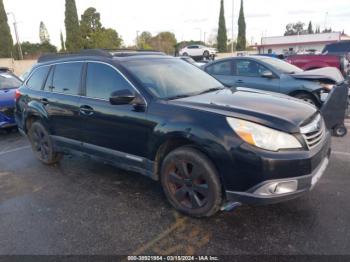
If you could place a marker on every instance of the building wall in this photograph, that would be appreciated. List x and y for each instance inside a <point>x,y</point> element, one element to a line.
<point>296,48</point>
<point>17,66</point>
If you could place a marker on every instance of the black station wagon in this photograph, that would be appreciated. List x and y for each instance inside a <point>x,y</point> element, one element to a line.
<point>210,147</point>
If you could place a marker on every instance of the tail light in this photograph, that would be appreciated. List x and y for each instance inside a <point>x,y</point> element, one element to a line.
<point>17,94</point>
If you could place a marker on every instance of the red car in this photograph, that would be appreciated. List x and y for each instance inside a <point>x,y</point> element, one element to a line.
<point>309,62</point>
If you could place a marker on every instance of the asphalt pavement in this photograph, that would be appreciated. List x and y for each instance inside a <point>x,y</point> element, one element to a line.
<point>85,207</point>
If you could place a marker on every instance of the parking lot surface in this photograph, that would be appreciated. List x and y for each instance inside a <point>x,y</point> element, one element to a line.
<point>85,207</point>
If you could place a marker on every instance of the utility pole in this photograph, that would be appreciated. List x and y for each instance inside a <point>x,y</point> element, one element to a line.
<point>233,23</point>
<point>205,34</point>
<point>17,37</point>
<point>137,39</point>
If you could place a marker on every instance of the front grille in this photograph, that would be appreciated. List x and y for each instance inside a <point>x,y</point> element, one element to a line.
<point>8,112</point>
<point>314,132</point>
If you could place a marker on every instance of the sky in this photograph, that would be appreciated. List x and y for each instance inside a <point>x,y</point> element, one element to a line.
<point>187,19</point>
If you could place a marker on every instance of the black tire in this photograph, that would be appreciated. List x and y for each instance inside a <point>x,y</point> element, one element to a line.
<point>185,54</point>
<point>42,144</point>
<point>307,98</point>
<point>191,183</point>
<point>340,131</point>
<point>206,55</point>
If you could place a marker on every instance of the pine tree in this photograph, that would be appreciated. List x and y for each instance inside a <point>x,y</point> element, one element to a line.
<point>43,34</point>
<point>6,42</point>
<point>310,29</point>
<point>222,32</point>
<point>73,35</point>
<point>241,39</point>
<point>63,48</point>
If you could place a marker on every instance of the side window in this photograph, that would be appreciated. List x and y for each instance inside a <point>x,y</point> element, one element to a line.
<point>37,79</point>
<point>67,78</point>
<point>249,68</point>
<point>221,68</point>
<point>102,80</point>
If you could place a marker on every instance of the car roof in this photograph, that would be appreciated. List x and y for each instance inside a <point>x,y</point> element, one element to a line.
<point>99,54</point>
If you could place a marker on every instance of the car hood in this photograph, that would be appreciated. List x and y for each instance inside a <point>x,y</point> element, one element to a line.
<point>274,110</point>
<point>7,98</point>
<point>327,74</point>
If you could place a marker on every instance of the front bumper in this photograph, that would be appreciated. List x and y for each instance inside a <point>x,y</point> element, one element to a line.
<point>279,172</point>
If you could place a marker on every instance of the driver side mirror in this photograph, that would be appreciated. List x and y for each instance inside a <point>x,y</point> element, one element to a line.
<point>122,97</point>
<point>267,74</point>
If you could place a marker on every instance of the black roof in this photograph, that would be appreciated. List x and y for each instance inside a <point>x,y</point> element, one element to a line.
<point>100,53</point>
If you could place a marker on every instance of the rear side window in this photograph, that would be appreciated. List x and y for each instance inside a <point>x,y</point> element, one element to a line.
<point>102,80</point>
<point>220,68</point>
<point>38,78</point>
<point>67,78</point>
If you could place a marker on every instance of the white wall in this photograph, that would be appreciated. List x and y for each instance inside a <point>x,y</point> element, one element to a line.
<point>17,66</point>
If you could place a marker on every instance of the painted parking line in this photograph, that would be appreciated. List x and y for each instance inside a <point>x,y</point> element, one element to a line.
<point>341,153</point>
<point>14,150</point>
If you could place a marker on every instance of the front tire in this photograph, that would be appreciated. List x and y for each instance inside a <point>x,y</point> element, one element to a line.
<point>42,144</point>
<point>206,55</point>
<point>191,183</point>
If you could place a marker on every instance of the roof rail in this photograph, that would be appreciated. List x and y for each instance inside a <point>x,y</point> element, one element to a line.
<point>86,52</point>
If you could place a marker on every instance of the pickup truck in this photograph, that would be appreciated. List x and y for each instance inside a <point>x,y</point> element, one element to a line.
<point>309,62</point>
<point>333,55</point>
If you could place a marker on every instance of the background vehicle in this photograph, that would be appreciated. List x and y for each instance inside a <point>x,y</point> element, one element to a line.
<point>190,60</point>
<point>8,85</point>
<point>310,62</point>
<point>191,133</point>
<point>271,74</point>
<point>198,51</point>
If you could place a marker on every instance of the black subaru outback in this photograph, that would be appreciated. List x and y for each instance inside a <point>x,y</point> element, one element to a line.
<point>210,147</point>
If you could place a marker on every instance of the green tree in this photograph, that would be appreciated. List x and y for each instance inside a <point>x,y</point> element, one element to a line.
<point>63,47</point>
<point>94,35</point>
<point>164,41</point>
<point>90,24</point>
<point>34,50</point>
<point>295,29</point>
<point>43,33</point>
<point>241,39</point>
<point>6,42</point>
<point>222,32</point>
<point>73,35</point>
<point>144,41</point>
<point>310,29</point>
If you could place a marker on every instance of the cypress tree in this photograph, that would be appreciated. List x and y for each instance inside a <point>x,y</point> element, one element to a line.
<point>310,29</point>
<point>222,32</point>
<point>6,42</point>
<point>241,39</point>
<point>73,35</point>
<point>63,48</point>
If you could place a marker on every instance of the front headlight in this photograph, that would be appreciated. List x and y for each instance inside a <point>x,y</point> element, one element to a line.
<point>263,137</point>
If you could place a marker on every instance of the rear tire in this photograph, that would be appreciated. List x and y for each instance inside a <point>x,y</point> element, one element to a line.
<point>185,54</point>
<point>42,144</point>
<point>307,98</point>
<point>340,131</point>
<point>191,183</point>
<point>206,55</point>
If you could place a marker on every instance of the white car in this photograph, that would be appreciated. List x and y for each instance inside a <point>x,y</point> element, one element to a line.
<point>198,51</point>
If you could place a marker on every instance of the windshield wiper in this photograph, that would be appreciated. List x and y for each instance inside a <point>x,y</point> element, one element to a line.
<point>211,90</point>
<point>178,96</point>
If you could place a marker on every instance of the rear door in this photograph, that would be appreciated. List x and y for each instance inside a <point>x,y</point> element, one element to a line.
<point>248,73</point>
<point>62,89</point>
<point>223,72</point>
<point>118,130</point>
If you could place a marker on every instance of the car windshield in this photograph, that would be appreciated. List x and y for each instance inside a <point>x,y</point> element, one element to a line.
<point>172,78</point>
<point>8,81</point>
<point>282,66</point>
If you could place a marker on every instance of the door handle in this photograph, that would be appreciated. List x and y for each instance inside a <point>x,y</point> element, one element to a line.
<point>239,81</point>
<point>86,110</point>
<point>44,101</point>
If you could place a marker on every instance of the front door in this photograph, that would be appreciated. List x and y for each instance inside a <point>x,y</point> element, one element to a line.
<point>111,130</point>
<point>249,73</point>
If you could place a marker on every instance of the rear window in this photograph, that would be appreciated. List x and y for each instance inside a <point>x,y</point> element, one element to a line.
<point>67,78</point>
<point>337,48</point>
<point>8,81</point>
<point>38,77</point>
